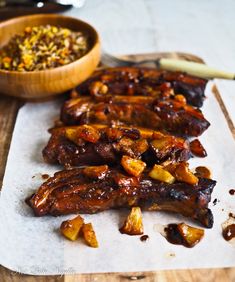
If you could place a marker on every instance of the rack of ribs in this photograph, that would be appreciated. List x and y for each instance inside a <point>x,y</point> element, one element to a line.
<point>133,123</point>
<point>145,82</point>
<point>100,144</point>
<point>169,114</point>
<point>95,189</point>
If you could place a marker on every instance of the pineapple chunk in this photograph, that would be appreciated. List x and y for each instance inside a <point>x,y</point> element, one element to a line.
<point>191,235</point>
<point>98,88</point>
<point>71,134</point>
<point>71,228</point>
<point>140,146</point>
<point>133,166</point>
<point>133,225</point>
<point>160,143</point>
<point>85,132</point>
<point>96,172</point>
<point>203,172</point>
<point>124,145</point>
<point>159,173</point>
<point>182,173</point>
<point>145,132</point>
<point>157,135</point>
<point>89,235</point>
<point>170,167</point>
<point>114,133</point>
<point>181,98</point>
<point>89,133</point>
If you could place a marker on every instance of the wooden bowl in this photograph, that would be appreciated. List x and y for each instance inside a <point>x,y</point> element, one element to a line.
<point>43,84</point>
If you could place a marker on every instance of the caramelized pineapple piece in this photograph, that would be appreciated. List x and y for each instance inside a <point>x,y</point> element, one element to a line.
<point>71,134</point>
<point>190,235</point>
<point>89,133</point>
<point>169,166</point>
<point>96,172</point>
<point>133,225</point>
<point>71,228</point>
<point>89,235</point>
<point>180,98</point>
<point>98,88</point>
<point>85,132</point>
<point>114,133</point>
<point>162,146</point>
<point>203,172</point>
<point>146,133</point>
<point>140,146</point>
<point>161,174</point>
<point>130,147</point>
<point>182,173</point>
<point>160,143</point>
<point>157,135</point>
<point>132,166</point>
<point>124,145</point>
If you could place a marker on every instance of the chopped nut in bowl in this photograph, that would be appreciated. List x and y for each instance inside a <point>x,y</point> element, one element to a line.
<point>45,55</point>
<point>42,47</point>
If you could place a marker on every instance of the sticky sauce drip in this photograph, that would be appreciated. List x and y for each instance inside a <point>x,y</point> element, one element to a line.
<point>231,215</point>
<point>203,172</point>
<point>215,202</point>
<point>197,149</point>
<point>232,192</point>
<point>144,238</point>
<point>45,176</point>
<point>172,234</point>
<point>229,232</point>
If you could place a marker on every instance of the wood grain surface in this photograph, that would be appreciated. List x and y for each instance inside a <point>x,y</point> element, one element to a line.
<point>8,112</point>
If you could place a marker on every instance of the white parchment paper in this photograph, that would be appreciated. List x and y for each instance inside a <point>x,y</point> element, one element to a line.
<point>34,246</point>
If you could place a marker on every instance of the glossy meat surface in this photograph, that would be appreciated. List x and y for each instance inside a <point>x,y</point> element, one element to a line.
<point>167,114</point>
<point>126,120</point>
<point>146,82</point>
<point>67,146</point>
<point>77,191</point>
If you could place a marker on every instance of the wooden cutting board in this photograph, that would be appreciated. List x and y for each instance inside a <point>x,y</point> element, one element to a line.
<point>8,112</point>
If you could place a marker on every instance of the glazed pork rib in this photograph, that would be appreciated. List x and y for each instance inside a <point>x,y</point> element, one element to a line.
<point>145,82</point>
<point>171,115</point>
<point>99,144</point>
<point>122,120</point>
<point>95,189</point>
